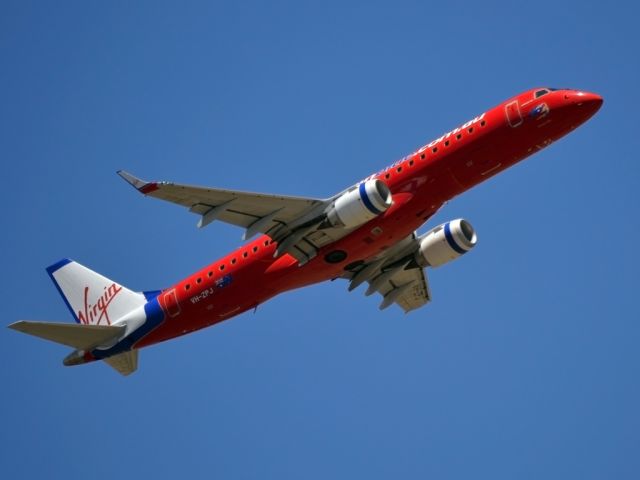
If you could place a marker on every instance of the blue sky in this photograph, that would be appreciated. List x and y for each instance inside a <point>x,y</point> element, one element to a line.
<point>525,365</point>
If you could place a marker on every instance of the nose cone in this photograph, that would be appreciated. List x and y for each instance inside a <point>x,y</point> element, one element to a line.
<point>592,100</point>
<point>583,104</point>
<point>587,101</point>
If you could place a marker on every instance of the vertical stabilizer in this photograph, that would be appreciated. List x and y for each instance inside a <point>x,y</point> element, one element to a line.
<point>92,298</point>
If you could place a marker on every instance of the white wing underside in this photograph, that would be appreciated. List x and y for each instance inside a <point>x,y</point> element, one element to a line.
<point>280,217</point>
<point>415,296</point>
<point>395,277</point>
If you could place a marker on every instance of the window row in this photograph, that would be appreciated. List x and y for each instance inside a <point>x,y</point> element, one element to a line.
<point>223,266</point>
<point>423,155</point>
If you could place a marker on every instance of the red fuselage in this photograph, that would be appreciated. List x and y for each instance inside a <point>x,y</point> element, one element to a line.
<point>420,184</point>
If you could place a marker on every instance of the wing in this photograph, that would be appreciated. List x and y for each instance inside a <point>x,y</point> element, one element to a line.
<point>256,212</point>
<point>408,289</point>
<point>396,276</point>
<point>292,222</point>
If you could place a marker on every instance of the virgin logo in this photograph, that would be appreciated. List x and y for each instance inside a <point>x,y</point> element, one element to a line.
<point>93,314</point>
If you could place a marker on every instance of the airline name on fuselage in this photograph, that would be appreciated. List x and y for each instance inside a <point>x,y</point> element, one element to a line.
<point>452,132</point>
<point>455,131</point>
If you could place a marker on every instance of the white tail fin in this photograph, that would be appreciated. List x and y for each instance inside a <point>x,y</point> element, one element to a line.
<point>92,298</point>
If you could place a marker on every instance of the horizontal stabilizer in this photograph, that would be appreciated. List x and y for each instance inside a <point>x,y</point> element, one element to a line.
<point>125,363</point>
<point>82,337</point>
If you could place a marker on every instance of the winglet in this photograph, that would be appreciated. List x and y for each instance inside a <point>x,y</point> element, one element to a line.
<point>137,183</point>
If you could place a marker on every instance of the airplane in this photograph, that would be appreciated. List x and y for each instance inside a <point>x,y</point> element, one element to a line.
<point>364,234</point>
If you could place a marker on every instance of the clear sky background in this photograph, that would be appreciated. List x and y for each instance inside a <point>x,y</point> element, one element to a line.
<point>526,364</point>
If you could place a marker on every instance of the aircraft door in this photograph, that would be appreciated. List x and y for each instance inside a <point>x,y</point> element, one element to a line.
<point>512,111</point>
<point>170,303</point>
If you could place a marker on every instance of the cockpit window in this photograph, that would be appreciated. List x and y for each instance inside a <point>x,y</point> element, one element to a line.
<point>540,93</point>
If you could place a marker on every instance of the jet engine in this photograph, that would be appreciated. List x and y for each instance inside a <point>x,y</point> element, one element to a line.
<point>446,242</point>
<point>359,205</point>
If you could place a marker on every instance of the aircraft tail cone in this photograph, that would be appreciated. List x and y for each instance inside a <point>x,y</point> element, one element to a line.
<point>74,358</point>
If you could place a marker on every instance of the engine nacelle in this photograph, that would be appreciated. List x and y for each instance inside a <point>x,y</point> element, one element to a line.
<point>446,242</point>
<point>356,207</point>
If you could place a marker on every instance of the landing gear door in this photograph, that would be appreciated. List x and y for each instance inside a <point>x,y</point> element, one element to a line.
<point>512,111</point>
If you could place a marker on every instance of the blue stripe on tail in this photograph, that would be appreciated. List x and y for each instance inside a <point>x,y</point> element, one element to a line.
<point>51,270</point>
